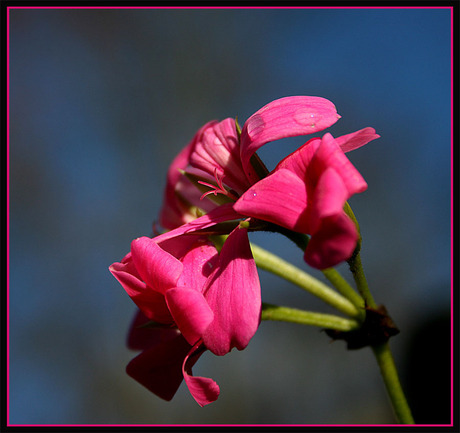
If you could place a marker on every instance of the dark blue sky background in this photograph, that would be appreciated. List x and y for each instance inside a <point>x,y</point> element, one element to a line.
<point>100,103</point>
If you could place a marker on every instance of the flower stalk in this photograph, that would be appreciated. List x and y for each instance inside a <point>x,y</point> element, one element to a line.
<point>293,315</point>
<point>274,264</point>
<point>382,351</point>
<point>357,270</point>
<point>356,266</point>
<point>345,289</point>
<point>389,373</point>
<point>334,277</point>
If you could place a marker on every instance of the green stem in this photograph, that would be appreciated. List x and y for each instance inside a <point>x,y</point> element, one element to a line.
<point>274,264</point>
<point>344,288</point>
<point>390,378</point>
<point>301,240</point>
<point>357,270</point>
<point>382,352</point>
<point>286,314</point>
<point>356,266</point>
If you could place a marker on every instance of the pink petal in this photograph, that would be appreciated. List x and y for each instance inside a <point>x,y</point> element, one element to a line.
<point>356,139</point>
<point>152,303</point>
<point>181,246</point>
<point>222,213</point>
<point>314,158</point>
<point>280,198</point>
<point>191,312</point>
<point>233,294</point>
<point>141,337</point>
<point>333,243</point>
<point>126,274</point>
<point>298,161</point>
<point>159,368</point>
<point>198,262</point>
<point>174,211</point>
<point>187,200</point>
<point>285,117</point>
<point>203,389</point>
<point>328,155</point>
<point>158,269</point>
<point>218,149</point>
<point>329,197</point>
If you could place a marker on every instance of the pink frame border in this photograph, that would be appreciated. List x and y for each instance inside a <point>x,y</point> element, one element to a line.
<point>8,8</point>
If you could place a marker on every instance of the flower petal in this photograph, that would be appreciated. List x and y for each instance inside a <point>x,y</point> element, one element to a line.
<point>126,274</point>
<point>174,211</point>
<point>298,161</point>
<point>218,150</point>
<point>279,198</point>
<point>151,303</point>
<point>222,213</point>
<point>159,368</point>
<point>285,117</point>
<point>203,389</point>
<point>356,139</point>
<point>333,243</point>
<point>141,337</point>
<point>233,294</point>
<point>190,311</point>
<point>329,154</point>
<point>328,198</point>
<point>158,269</point>
<point>198,262</point>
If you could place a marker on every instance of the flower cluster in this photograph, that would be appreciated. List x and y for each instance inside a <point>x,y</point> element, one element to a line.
<point>195,294</point>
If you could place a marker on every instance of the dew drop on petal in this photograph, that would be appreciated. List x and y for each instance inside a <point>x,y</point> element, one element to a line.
<point>304,116</point>
<point>250,195</point>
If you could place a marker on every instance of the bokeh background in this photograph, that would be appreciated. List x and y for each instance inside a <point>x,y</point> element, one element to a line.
<point>101,100</point>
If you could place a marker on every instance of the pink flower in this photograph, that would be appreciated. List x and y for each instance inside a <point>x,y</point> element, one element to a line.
<point>217,154</point>
<point>207,300</point>
<point>184,284</point>
<point>305,193</point>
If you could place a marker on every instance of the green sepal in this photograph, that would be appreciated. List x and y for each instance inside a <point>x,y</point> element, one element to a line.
<point>258,166</point>
<point>238,128</point>
<point>244,224</point>
<point>377,328</point>
<point>347,209</point>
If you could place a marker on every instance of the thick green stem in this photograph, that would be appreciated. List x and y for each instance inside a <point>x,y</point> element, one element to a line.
<point>276,265</point>
<point>390,377</point>
<point>328,321</point>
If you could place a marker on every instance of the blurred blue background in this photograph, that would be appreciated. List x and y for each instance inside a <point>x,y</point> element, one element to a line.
<point>100,103</point>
